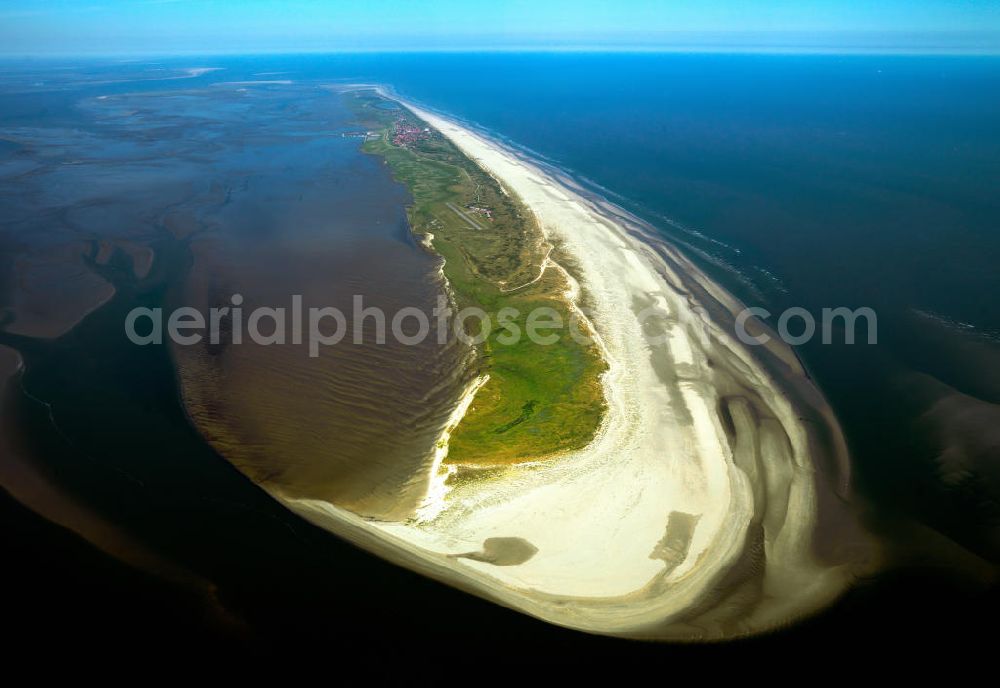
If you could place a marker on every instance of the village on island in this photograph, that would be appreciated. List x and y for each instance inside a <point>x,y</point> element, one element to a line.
<point>406,135</point>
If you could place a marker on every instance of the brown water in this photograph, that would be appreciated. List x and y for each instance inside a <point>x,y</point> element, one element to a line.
<point>271,200</point>
<point>356,424</point>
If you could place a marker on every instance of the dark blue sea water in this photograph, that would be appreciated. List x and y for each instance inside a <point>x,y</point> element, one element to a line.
<point>813,181</point>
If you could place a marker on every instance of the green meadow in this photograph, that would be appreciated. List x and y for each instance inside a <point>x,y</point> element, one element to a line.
<point>541,399</point>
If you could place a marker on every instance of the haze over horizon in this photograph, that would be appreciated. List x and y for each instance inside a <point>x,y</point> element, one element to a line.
<point>64,27</point>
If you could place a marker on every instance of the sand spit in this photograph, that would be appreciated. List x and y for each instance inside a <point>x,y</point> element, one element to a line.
<point>55,290</point>
<point>712,503</point>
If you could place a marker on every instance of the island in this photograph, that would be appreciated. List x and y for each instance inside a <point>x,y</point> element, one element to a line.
<point>656,479</point>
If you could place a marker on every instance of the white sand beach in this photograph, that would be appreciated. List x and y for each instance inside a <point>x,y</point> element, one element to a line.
<point>713,501</point>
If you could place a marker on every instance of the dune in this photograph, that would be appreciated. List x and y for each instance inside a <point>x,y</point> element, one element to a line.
<point>714,500</point>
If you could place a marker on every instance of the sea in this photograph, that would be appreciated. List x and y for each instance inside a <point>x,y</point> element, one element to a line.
<point>798,181</point>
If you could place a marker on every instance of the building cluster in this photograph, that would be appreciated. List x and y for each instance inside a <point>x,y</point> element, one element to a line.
<point>480,210</point>
<point>406,134</point>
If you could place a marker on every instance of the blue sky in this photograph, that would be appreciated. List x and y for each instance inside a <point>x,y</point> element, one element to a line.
<point>166,26</point>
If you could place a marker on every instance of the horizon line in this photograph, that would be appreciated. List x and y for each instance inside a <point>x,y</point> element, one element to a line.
<point>528,49</point>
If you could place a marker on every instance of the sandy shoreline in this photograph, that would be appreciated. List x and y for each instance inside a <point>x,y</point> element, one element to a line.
<point>710,504</point>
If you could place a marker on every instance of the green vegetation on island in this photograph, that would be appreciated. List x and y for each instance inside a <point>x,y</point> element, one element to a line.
<point>541,399</point>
